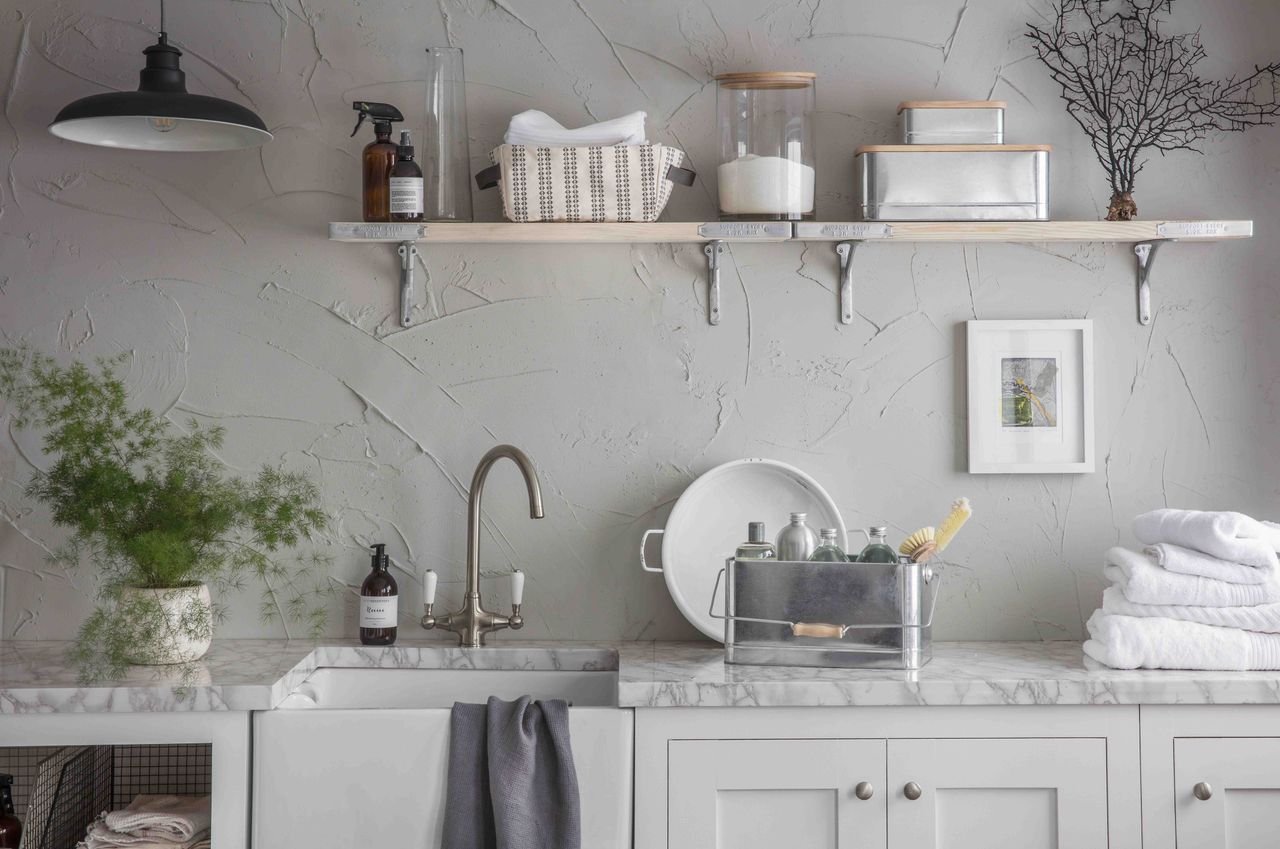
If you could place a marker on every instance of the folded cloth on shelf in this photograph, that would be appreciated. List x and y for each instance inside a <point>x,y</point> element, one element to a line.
<point>1144,582</point>
<point>1225,535</point>
<point>1263,618</point>
<point>541,130</point>
<point>101,837</point>
<point>173,819</point>
<point>512,783</point>
<point>1129,642</point>
<point>1188,561</point>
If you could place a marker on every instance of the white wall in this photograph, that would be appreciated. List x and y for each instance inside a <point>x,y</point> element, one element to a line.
<point>215,271</point>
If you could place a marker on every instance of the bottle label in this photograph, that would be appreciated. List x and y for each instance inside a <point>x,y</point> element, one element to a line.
<point>406,195</point>
<point>378,611</point>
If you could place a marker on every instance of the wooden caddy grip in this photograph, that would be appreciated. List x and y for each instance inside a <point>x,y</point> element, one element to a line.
<point>817,629</point>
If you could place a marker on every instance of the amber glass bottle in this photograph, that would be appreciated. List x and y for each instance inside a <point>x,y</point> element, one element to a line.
<point>10,828</point>
<point>379,602</point>
<point>378,160</point>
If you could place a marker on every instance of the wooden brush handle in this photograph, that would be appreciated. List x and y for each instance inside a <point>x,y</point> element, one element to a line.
<point>817,629</point>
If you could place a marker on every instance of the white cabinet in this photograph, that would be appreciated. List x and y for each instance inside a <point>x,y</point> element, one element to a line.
<point>1227,792</point>
<point>933,778</point>
<point>974,794</point>
<point>1227,754</point>
<point>762,794</point>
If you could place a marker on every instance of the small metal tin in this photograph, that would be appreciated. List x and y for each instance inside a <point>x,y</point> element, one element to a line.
<point>953,182</point>
<point>952,121</point>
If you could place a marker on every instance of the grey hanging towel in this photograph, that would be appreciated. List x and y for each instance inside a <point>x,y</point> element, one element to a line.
<point>512,784</point>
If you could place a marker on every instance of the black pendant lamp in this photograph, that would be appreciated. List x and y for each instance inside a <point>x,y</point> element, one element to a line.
<point>160,115</point>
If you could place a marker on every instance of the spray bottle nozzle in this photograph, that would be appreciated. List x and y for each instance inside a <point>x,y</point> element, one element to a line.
<point>379,112</point>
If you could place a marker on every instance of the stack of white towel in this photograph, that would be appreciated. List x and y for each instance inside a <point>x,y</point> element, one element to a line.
<point>153,822</point>
<point>1204,593</point>
<point>541,130</point>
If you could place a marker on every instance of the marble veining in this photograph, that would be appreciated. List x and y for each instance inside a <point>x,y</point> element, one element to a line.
<point>259,674</point>
<point>973,673</point>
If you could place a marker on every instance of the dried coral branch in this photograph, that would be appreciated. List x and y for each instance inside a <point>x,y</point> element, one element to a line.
<point>1133,89</point>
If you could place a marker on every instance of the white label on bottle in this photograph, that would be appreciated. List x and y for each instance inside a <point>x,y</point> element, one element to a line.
<point>406,195</point>
<point>378,611</point>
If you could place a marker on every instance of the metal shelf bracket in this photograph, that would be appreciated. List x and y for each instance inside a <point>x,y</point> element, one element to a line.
<point>714,250</point>
<point>845,250</point>
<point>1146,254</point>
<point>408,256</point>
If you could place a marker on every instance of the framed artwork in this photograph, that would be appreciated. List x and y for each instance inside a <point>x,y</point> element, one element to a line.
<point>1030,397</point>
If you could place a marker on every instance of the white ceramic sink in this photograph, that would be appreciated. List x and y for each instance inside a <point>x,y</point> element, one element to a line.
<point>355,689</point>
<point>358,757</point>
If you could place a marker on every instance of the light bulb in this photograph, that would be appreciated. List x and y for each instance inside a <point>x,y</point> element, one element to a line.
<point>162,125</point>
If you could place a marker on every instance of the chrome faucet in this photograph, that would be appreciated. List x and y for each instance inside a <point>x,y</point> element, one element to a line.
<point>472,622</point>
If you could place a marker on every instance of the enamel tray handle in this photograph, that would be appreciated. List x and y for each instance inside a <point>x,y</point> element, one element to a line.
<point>644,541</point>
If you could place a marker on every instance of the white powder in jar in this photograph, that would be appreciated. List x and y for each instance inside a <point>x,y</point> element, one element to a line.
<point>765,185</point>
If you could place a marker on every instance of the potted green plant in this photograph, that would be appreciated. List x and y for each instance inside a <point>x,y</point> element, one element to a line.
<point>152,508</point>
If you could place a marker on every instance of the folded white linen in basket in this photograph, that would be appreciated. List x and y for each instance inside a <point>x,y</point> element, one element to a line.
<point>540,129</point>
<point>1144,582</point>
<point>101,837</point>
<point>171,819</point>
<point>1226,535</point>
<point>1128,642</point>
<point>1188,561</point>
<point>1263,618</point>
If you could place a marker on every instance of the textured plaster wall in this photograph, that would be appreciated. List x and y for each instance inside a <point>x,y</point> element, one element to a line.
<point>214,271</point>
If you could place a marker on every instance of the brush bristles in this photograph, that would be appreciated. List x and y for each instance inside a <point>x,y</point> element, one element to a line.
<point>960,513</point>
<point>917,541</point>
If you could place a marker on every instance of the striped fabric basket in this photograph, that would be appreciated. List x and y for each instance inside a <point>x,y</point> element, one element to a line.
<point>619,183</point>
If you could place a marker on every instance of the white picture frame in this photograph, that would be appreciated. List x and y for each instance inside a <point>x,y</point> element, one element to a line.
<point>1030,390</point>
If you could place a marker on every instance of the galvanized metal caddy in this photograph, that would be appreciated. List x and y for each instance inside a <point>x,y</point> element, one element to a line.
<point>960,182</point>
<point>785,613</point>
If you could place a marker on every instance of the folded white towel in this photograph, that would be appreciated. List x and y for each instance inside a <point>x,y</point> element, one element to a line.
<point>1144,582</point>
<point>1225,535</point>
<point>101,837</point>
<point>540,129</point>
<point>1188,561</point>
<point>1127,642</point>
<point>173,819</point>
<point>1263,618</point>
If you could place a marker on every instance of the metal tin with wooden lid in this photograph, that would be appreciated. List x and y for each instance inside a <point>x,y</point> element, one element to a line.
<point>952,121</point>
<point>958,182</point>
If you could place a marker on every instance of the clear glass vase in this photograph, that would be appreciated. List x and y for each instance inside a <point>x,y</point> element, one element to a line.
<point>445,154</point>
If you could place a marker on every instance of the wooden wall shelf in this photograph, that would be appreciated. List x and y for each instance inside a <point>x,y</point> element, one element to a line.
<point>715,236</point>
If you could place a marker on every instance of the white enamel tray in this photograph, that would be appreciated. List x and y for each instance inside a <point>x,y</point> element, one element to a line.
<point>709,522</point>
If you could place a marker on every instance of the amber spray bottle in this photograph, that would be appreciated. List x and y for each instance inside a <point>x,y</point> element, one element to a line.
<point>378,159</point>
<point>379,602</point>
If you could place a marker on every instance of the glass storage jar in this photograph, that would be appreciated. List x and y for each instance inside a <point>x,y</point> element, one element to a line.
<point>767,157</point>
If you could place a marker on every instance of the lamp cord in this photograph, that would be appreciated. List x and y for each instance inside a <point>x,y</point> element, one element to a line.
<point>162,29</point>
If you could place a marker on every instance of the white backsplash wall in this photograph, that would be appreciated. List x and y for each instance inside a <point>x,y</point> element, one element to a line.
<point>214,270</point>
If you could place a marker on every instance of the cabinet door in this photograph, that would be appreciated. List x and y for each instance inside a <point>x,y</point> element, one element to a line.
<point>763,794</point>
<point>1241,778</point>
<point>976,794</point>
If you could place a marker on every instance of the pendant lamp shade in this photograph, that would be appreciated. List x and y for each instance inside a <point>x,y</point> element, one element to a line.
<point>160,115</point>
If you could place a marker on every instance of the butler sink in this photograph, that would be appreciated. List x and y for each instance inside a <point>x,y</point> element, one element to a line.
<point>440,688</point>
<point>358,757</point>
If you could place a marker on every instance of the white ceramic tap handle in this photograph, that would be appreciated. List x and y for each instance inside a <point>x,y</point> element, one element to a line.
<point>517,587</point>
<point>429,579</point>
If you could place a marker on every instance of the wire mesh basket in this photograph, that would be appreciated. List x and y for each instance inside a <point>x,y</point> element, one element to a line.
<point>71,787</point>
<point>805,613</point>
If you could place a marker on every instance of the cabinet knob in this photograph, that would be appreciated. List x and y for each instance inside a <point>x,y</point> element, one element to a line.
<point>912,791</point>
<point>1202,791</point>
<point>864,790</point>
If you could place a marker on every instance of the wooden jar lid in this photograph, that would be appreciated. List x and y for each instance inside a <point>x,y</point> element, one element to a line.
<point>766,79</point>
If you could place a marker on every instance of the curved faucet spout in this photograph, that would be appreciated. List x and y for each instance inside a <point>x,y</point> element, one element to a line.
<point>473,504</point>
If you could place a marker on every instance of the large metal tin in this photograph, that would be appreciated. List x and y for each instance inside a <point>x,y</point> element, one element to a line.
<point>952,122</point>
<point>887,608</point>
<point>954,182</point>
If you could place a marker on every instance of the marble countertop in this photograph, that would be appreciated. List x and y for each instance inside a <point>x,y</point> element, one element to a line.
<point>258,674</point>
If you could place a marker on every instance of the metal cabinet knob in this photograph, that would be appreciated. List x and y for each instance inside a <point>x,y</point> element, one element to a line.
<point>912,791</point>
<point>864,790</point>
<point>1202,791</point>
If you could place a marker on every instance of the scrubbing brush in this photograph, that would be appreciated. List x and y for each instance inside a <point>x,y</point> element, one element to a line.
<point>960,513</point>
<point>920,546</point>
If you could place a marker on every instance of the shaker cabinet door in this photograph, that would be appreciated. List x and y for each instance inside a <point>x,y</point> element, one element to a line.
<point>1227,792</point>
<point>765,794</point>
<point>976,794</point>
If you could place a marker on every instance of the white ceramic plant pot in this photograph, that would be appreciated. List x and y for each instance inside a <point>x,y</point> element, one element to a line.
<point>187,629</point>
